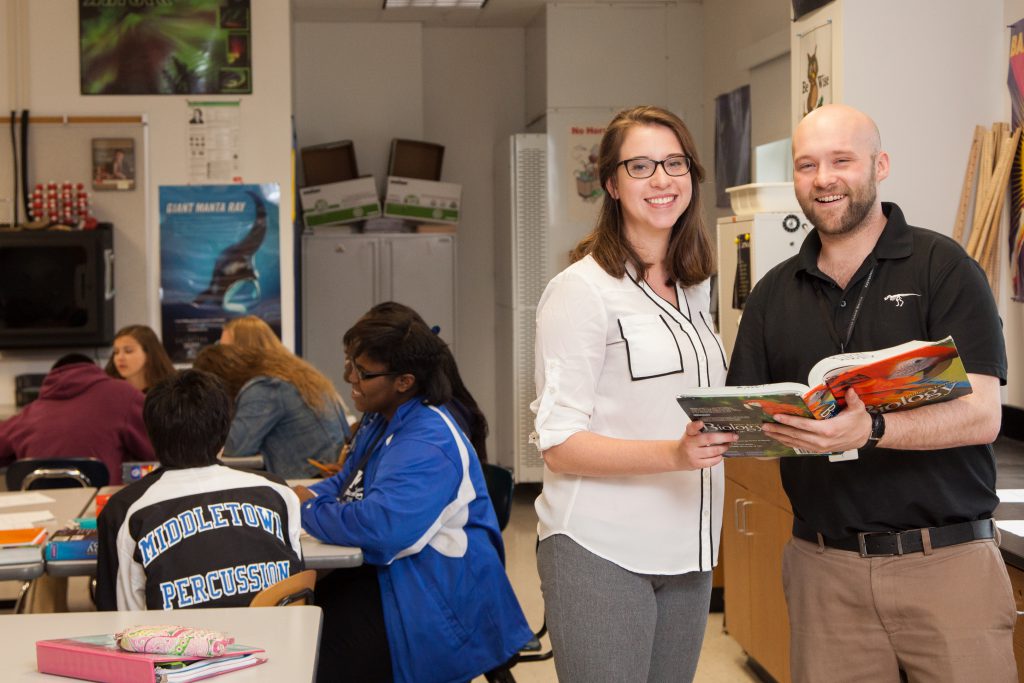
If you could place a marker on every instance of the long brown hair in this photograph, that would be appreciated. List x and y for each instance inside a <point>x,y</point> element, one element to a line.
<point>158,363</point>
<point>253,333</point>
<point>236,365</point>
<point>690,258</point>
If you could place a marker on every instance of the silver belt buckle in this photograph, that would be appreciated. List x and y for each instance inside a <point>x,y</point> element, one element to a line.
<point>862,543</point>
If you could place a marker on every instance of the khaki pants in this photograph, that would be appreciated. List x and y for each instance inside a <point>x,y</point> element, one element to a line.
<point>946,616</point>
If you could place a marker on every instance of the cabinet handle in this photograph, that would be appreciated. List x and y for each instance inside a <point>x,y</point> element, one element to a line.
<point>736,516</point>
<point>744,507</point>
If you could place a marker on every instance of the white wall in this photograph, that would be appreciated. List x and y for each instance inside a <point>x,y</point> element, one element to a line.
<point>48,83</point>
<point>359,82</point>
<point>898,66</point>
<point>474,96</point>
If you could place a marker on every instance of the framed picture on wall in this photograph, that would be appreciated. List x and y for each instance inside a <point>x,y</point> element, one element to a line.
<point>197,47</point>
<point>113,164</point>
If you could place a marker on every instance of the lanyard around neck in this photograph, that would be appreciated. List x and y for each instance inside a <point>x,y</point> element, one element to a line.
<point>830,325</point>
<point>361,465</point>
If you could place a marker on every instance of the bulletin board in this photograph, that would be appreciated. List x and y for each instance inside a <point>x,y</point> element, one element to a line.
<point>61,149</point>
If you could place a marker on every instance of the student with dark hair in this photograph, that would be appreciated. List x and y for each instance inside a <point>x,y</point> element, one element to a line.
<point>80,413</point>
<point>432,603</point>
<point>194,533</point>
<point>462,405</point>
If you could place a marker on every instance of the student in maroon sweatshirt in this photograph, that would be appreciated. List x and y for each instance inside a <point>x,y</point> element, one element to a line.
<point>81,412</point>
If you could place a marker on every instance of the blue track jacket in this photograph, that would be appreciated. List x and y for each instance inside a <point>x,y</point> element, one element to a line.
<point>427,523</point>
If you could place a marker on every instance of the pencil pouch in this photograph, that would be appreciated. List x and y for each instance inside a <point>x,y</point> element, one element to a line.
<point>173,640</point>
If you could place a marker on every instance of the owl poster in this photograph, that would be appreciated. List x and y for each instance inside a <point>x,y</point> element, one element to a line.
<point>815,58</point>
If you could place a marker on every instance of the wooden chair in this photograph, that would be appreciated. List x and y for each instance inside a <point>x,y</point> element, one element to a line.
<point>295,590</point>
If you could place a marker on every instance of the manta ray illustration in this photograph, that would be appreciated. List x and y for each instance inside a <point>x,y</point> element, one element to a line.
<point>234,283</point>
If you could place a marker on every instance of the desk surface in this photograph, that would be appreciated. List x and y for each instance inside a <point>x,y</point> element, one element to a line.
<point>290,635</point>
<point>66,505</point>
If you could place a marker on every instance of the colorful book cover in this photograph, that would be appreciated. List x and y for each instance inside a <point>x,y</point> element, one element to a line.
<point>897,378</point>
<point>10,538</point>
<point>98,658</point>
<point>744,410</point>
<point>919,374</point>
<point>72,544</point>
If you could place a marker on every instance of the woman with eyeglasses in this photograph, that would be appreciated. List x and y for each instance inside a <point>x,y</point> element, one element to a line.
<point>631,509</point>
<point>432,602</point>
<point>284,408</point>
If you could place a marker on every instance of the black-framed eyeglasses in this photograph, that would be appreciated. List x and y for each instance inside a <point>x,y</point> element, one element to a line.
<point>363,375</point>
<point>642,167</point>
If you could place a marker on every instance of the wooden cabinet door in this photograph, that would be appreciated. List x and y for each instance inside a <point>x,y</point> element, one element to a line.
<point>736,564</point>
<point>770,528</point>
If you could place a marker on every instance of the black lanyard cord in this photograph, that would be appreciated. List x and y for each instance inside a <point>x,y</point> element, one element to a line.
<point>830,325</point>
<point>361,465</point>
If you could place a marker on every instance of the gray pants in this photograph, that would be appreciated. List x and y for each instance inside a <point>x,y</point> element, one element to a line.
<point>610,624</point>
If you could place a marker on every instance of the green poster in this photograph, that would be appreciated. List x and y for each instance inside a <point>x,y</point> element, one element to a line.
<point>165,47</point>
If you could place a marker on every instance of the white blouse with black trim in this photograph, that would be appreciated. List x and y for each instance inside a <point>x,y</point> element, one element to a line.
<point>611,358</point>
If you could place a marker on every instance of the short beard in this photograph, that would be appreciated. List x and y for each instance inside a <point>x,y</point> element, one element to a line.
<point>858,209</point>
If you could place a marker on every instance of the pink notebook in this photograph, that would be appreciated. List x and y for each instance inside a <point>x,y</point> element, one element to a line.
<point>98,658</point>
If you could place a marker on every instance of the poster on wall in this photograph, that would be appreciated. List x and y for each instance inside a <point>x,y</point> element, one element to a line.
<point>1015,83</point>
<point>165,47</point>
<point>219,259</point>
<point>583,182</point>
<point>213,133</point>
<point>816,68</point>
<point>732,142</point>
<point>113,164</point>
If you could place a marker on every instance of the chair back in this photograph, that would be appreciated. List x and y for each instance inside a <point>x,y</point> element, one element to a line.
<point>500,486</point>
<point>295,590</point>
<point>56,473</point>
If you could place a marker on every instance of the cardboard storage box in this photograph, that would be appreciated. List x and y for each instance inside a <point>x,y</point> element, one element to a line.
<point>422,200</point>
<point>338,203</point>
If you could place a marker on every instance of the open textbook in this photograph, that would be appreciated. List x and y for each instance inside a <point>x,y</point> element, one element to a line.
<point>897,378</point>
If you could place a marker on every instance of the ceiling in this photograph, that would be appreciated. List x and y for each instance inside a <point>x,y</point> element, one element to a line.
<point>496,13</point>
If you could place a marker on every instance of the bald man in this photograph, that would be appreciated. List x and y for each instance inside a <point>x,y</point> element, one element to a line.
<point>893,565</point>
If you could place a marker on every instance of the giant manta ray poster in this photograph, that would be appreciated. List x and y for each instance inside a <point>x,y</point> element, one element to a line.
<point>220,258</point>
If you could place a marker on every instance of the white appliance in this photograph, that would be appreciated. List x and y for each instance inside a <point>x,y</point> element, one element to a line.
<point>343,275</point>
<point>773,238</point>
<point>521,268</point>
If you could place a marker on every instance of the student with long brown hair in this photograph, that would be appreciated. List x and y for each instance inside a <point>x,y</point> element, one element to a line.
<point>284,408</point>
<point>139,358</point>
<point>631,510</point>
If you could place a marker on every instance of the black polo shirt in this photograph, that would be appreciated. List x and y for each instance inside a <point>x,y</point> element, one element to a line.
<point>923,286</point>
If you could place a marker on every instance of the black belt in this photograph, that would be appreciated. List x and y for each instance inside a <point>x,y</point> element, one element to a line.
<point>887,543</point>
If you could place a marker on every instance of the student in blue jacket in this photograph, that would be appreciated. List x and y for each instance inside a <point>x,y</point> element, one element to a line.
<point>432,603</point>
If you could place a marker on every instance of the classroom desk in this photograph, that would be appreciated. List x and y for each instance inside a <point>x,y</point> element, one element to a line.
<point>315,553</point>
<point>290,635</point>
<point>67,504</point>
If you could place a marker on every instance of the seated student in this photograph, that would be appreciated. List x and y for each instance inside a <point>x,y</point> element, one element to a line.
<point>284,409</point>
<point>139,358</point>
<point>252,332</point>
<point>80,413</point>
<point>462,406</point>
<point>194,533</point>
<point>432,602</point>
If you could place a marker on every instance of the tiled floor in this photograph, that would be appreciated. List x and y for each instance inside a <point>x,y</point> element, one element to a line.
<point>721,660</point>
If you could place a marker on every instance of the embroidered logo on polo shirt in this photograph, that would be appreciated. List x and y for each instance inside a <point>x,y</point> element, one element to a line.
<point>898,298</point>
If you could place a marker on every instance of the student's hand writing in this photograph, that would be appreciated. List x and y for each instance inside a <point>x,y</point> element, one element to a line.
<point>697,450</point>
<point>847,430</point>
<point>303,493</point>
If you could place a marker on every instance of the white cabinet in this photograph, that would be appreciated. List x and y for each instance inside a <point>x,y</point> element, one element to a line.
<point>343,275</point>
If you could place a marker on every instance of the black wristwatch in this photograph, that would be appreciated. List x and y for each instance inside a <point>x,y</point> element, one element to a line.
<point>877,431</point>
